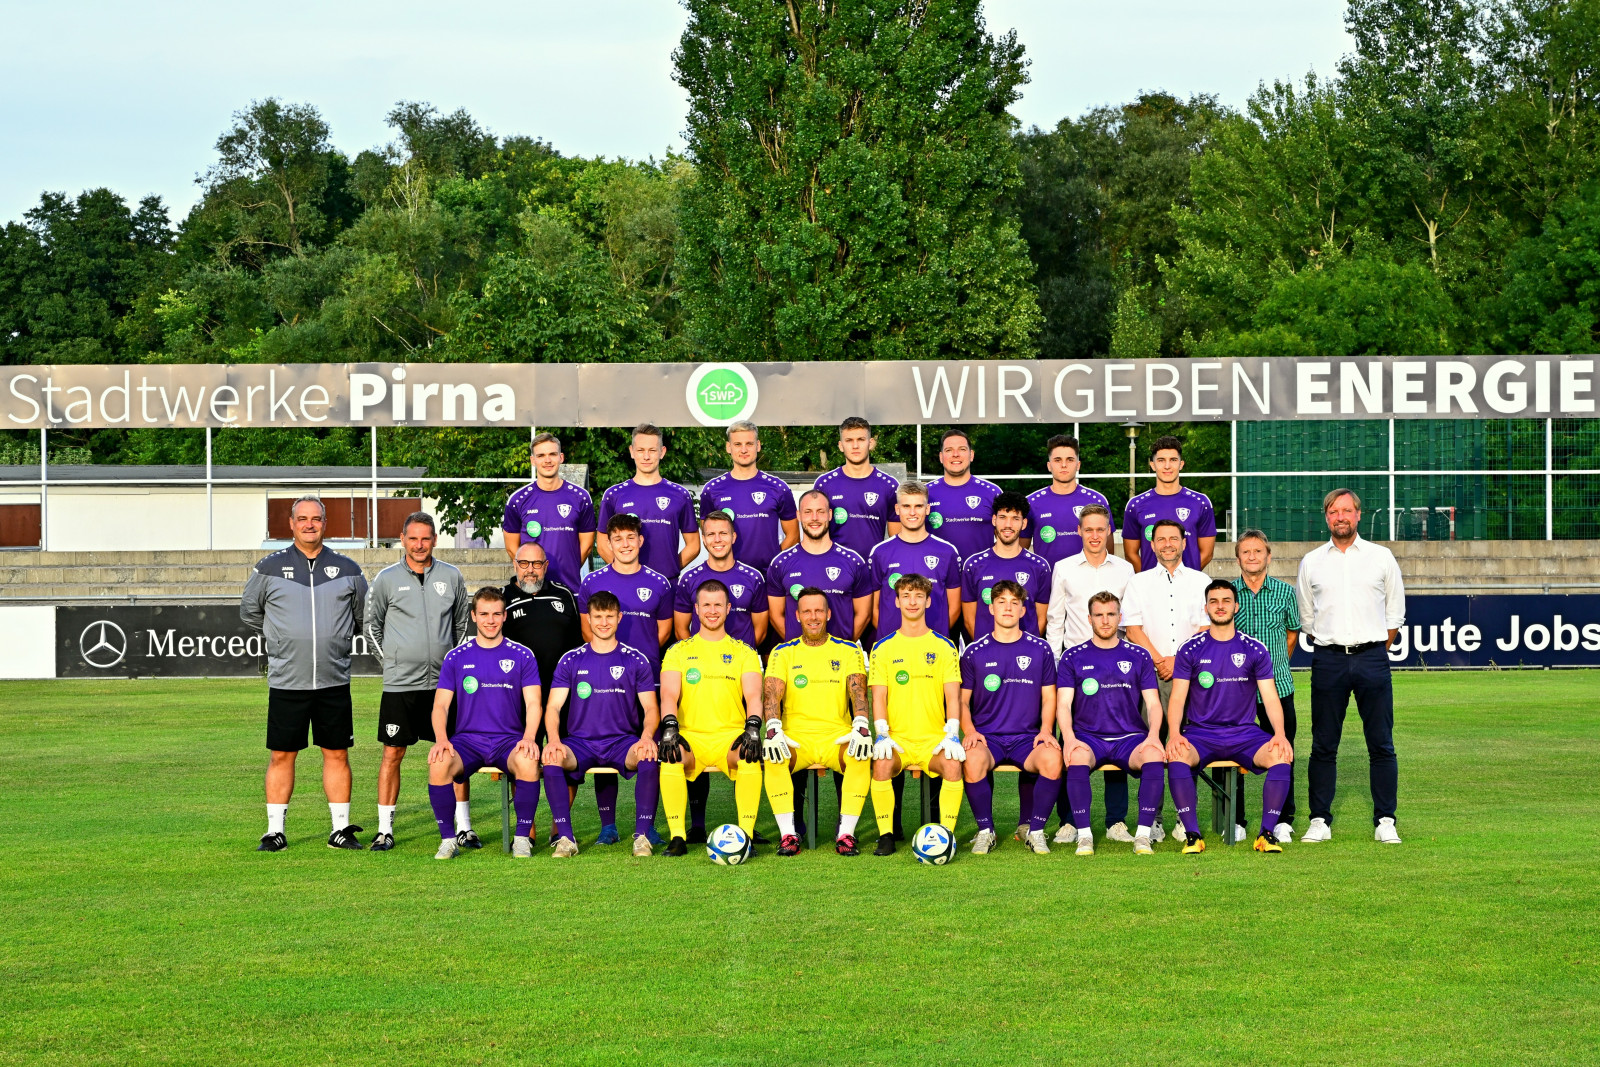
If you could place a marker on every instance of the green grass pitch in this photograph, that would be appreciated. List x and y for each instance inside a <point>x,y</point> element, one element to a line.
<point>140,927</point>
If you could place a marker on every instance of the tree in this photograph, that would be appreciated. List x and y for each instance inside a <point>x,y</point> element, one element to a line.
<point>851,166</point>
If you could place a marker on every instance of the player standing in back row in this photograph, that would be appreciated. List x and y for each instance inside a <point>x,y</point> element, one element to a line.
<point>553,512</point>
<point>1169,500</point>
<point>761,504</point>
<point>1054,510</point>
<point>862,496</point>
<point>665,509</point>
<point>960,504</point>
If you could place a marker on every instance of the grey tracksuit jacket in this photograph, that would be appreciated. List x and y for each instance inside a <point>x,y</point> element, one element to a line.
<point>412,623</point>
<point>309,611</point>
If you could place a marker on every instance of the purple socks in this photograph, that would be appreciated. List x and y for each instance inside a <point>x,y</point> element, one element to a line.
<point>443,800</point>
<point>1181,779</point>
<point>1079,796</point>
<point>525,800</point>
<point>1046,790</point>
<point>1152,783</point>
<point>1274,794</point>
<point>555,784</point>
<point>980,795</point>
<point>1025,783</point>
<point>646,791</point>
<point>605,797</point>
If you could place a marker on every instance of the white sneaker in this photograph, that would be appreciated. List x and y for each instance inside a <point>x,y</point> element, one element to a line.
<point>564,847</point>
<point>447,849</point>
<point>1319,830</point>
<point>1157,833</point>
<point>1284,832</point>
<point>641,846</point>
<point>984,843</point>
<point>1037,842</point>
<point>1021,833</point>
<point>1119,832</point>
<point>1086,842</point>
<point>1240,834</point>
<point>1385,832</point>
<point>1066,835</point>
<point>1141,846</point>
<point>521,848</point>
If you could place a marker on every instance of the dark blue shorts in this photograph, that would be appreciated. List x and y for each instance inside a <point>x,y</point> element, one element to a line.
<point>592,752</point>
<point>478,751</point>
<point>1118,750</point>
<point>1237,743</point>
<point>1010,748</point>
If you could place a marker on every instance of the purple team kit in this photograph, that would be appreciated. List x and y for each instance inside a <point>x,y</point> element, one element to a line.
<point>862,508</point>
<point>646,599</point>
<point>1007,681</point>
<point>963,514</point>
<point>1220,713</point>
<point>757,505</point>
<point>1053,521</point>
<point>932,557</point>
<point>488,684</point>
<point>747,592</point>
<point>603,717</point>
<point>552,518</point>
<point>981,571</point>
<point>1108,685</point>
<point>840,573</point>
<point>664,509</point>
<point>1187,508</point>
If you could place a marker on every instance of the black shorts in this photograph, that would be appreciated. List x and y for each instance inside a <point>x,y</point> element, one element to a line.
<point>325,713</point>
<point>406,718</point>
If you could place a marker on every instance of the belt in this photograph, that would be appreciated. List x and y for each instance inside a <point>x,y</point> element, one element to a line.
<point>1351,650</point>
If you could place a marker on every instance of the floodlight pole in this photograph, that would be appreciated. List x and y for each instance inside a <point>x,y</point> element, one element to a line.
<point>372,501</point>
<point>211,536</point>
<point>44,491</point>
<point>1233,480</point>
<point>1132,428</point>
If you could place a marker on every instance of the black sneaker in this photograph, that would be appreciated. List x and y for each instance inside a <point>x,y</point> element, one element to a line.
<point>756,838</point>
<point>676,847</point>
<point>789,846</point>
<point>846,846</point>
<point>697,836</point>
<point>382,843</point>
<point>272,843</point>
<point>885,845</point>
<point>468,839</point>
<point>345,838</point>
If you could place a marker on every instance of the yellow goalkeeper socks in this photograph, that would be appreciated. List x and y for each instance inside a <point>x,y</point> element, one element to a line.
<point>674,797</point>
<point>950,794</point>
<point>857,780</point>
<point>780,788</point>
<point>883,805</point>
<point>747,795</point>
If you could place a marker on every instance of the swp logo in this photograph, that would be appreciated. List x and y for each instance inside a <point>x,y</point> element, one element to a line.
<point>721,393</point>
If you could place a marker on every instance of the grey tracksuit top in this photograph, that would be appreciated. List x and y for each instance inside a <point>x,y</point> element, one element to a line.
<point>309,611</point>
<point>412,623</point>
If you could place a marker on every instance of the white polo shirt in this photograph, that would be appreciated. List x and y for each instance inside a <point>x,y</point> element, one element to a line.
<point>1352,597</point>
<point>1073,581</point>
<point>1170,605</point>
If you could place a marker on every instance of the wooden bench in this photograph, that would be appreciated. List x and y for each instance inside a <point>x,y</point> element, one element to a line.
<point>497,775</point>
<point>1224,785</point>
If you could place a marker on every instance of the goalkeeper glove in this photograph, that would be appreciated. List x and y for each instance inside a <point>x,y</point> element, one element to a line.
<point>885,747</point>
<point>670,750</point>
<point>778,746</point>
<point>859,739</point>
<point>750,740</point>
<point>950,747</point>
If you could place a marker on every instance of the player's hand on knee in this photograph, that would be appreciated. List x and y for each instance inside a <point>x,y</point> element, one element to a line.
<point>1046,740</point>
<point>554,752</point>
<point>1179,749</point>
<point>776,746</point>
<point>645,749</point>
<point>750,740</point>
<point>885,746</point>
<point>858,741</point>
<point>971,741</point>
<point>950,748</point>
<point>440,752</point>
<point>671,748</point>
<point>1284,749</point>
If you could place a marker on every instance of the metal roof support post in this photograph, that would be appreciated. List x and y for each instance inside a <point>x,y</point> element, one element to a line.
<point>919,451</point>
<point>1549,480</point>
<point>211,525</point>
<point>1392,535</point>
<point>44,491</point>
<point>372,501</point>
<point>1233,480</point>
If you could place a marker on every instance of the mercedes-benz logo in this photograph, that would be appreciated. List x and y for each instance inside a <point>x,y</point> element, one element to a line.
<point>103,644</point>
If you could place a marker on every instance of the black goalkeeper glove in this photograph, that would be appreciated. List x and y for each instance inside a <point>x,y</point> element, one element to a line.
<point>750,740</point>
<point>670,749</point>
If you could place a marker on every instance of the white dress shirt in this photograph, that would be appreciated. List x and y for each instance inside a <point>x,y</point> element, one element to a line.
<point>1170,605</point>
<point>1072,583</point>
<point>1352,597</point>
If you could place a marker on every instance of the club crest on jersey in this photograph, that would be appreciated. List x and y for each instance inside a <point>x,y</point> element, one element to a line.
<point>1022,578</point>
<point>616,671</point>
<point>644,595</point>
<point>758,498</point>
<point>870,498</point>
<point>1077,511</point>
<point>931,561</point>
<point>727,657</point>
<point>833,574</point>
<point>663,501</point>
<point>507,664</point>
<point>563,510</point>
<point>974,501</point>
<point>1023,661</point>
<point>932,658</point>
<point>1124,665</point>
<point>1183,514</point>
<point>555,605</point>
<point>331,572</point>
<point>1238,659</point>
<point>440,588</point>
<point>834,664</point>
<point>392,729</point>
<point>738,590</point>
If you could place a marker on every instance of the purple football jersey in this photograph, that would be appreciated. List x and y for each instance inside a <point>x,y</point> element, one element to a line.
<point>839,572</point>
<point>932,557</point>
<point>758,506</point>
<point>1007,681</point>
<point>862,508</point>
<point>962,514</point>
<point>603,690</point>
<point>981,571</point>
<point>1187,508</point>
<point>1222,678</point>
<point>488,683</point>
<point>747,592</point>
<point>646,599</point>
<point>1053,521</point>
<point>665,509</point>
<point>1109,685</point>
<point>554,518</point>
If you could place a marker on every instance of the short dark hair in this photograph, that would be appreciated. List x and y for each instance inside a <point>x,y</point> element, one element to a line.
<point>1166,441</point>
<point>1222,583</point>
<point>1006,585</point>
<point>1095,509</point>
<point>1105,596</point>
<point>810,590</point>
<point>487,593</point>
<point>714,585</point>
<point>603,600</point>
<point>855,422</point>
<point>914,583</point>
<point>954,432</point>
<point>1062,440</point>
<point>419,518</point>
<point>1174,523</point>
<point>624,521</point>
<point>1011,501</point>
<point>647,429</point>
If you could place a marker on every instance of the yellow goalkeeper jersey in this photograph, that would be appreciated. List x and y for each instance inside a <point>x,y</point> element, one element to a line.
<point>712,694</point>
<point>915,670</point>
<point>816,701</point>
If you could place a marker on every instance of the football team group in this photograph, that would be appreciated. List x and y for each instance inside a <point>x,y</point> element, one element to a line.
<point>1005,632</point>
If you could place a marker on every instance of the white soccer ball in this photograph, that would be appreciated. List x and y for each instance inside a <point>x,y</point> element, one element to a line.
<point>933,844</point>
<point>728,845</point>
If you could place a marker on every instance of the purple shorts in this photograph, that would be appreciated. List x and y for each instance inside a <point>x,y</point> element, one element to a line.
<point>1237,743</point>
<point>592,752</point>
<point>478,751</point>
<point>1118,750</point>
<point>1010,748</point>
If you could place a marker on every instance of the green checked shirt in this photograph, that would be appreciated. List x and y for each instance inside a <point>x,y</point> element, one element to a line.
<point>1268,616</point>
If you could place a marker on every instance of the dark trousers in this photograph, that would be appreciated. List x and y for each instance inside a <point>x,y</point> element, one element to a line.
<point>1334,678</point>
<point>1289,730</point>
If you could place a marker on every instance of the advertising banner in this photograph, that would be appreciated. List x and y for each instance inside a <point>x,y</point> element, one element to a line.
<point>1498,630</point>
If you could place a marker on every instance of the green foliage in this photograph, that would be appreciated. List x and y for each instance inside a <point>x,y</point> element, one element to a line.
<point>1552,296</point>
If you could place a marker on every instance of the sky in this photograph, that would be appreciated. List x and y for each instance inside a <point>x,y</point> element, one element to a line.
<point>134,96</point>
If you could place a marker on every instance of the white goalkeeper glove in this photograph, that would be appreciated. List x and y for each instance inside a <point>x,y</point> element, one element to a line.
<point>776,746</point>
<point>885,747</point>
<point>950,747</point>
<point>859,739</point>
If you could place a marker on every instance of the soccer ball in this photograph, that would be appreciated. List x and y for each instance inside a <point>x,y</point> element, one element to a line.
<point>933,844</point>
<point>728,845</point>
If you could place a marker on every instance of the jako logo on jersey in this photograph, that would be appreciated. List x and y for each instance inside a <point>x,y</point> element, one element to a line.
<point>1124,666</point>
<point>331,572</point>
<point>644,595</point>
<point>1183,514</point>
<point>833,574</point>
<point>440,588</point>
<point>1238,659</point>
<point>721,393</point>
<point>663,501</point>
<point>1023,661</point>
<point>931,561</point>
<point>870,498</point>
<point>758,498</point>
<point>507,664</point>
<point>616,672</point>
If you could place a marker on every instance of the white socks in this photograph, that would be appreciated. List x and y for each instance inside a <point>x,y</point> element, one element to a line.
<point>341,815</point>
<point>463,815</point>
<point>785,822</point>
<point>1143,831</point>
<point>275,813</point>
<point>386,818</point>
<point>847,824</point>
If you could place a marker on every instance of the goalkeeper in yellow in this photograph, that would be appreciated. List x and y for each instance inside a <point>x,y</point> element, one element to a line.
<point>816,687</point>
<point>711,720</point>
<point>916,707</point>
